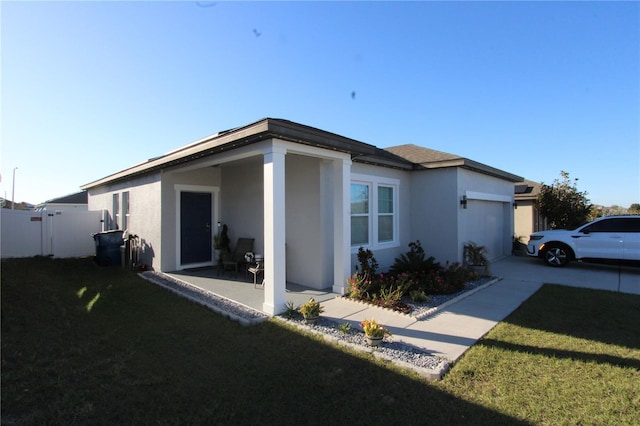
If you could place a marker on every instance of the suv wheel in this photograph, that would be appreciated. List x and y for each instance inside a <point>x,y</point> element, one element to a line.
<point>557,255</point>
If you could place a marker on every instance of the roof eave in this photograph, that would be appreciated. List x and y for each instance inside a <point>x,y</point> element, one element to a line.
<point>256,132</point>
<point>465,163</point>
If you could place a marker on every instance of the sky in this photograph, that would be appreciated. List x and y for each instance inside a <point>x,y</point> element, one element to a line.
<point>531,88</point>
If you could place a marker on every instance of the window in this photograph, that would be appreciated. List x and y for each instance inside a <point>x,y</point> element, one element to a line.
<point>116,210</point>
<point>615,225</point>
<point>374,217</point>
<point>359,214</point>
<point>385,214</point>
<point>125,210</point>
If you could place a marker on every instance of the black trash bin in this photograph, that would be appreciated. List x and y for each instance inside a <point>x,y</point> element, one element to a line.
<point>108,247</point>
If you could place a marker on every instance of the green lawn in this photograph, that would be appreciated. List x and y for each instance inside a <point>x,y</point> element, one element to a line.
<point>83,344</point>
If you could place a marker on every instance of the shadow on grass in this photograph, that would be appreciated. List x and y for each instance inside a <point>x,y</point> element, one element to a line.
<point>141,355</point>
<point>560,353</point>
<point>596,315</point>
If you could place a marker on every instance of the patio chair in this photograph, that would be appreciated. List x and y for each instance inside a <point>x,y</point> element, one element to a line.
<point>237,257</point>
<point>256,269</point>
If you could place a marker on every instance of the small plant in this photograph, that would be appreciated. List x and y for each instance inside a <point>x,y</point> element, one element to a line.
<point>418,296</point>
<point>344,327</point>
<point>390,296</point>
<point>475,255</point>
<point>356,286</point>
<point>290,310</point>
<point>221,240</point>
<point>311,309</point>
<point>374,329</point>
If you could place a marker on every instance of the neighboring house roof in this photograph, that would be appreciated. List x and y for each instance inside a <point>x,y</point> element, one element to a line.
<point>77,198</point>
<point>527,190</point>
<point>432,159</point>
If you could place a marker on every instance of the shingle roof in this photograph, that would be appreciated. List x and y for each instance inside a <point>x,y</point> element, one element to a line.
<point>420,155</point>
<point>405,157</point>
<point>77,198</point>
<point>432,159</point>
<point>256,132</point>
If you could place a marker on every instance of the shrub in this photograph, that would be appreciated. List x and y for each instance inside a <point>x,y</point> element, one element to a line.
<point>364,287</point>
<point>290,310</point>
<point>418,295</point>
<point>368,263</point>
<point>390,296</point>
<point>413,261</point>
<point>456,276</point>
<point>450,279</point>
<point>357,286</point>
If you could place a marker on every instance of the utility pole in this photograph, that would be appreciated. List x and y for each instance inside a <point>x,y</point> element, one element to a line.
<point>13,193</point>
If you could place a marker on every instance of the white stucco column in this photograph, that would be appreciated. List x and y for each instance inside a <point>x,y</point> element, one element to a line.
<point>275,264</point>
<point>341,224</point>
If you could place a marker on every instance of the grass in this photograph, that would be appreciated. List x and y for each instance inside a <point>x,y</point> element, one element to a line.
<point>88,345</point>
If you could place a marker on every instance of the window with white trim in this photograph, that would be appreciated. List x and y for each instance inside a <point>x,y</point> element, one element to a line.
<point>116,210</point>
<point>125,210</point>
<point>374,211</point>
<point>385,214</point>
<point>359,214</point>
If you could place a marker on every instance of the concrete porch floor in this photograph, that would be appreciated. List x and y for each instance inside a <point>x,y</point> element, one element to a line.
<point>241,289</point>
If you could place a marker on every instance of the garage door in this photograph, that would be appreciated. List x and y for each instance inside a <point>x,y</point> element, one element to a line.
<point>486,226</point>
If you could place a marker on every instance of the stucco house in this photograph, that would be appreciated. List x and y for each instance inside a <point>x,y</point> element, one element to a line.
<point>310,199</point>
<point>526,215</point>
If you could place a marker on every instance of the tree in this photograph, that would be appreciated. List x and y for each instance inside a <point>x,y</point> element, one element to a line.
<point>562,204</point>
<point>634,208</point>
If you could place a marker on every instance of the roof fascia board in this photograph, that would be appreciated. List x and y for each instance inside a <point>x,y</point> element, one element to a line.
<point>473,166</point>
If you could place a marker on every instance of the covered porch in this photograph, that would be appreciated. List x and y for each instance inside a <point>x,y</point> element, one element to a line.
<point>292,200</point>
<point>241,289</point>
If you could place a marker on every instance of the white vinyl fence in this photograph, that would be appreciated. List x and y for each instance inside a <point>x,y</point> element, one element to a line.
<point>56,234</point>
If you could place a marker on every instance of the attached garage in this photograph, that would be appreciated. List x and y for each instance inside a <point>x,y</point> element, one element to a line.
<point>487,224</point>
<point>458,200</point>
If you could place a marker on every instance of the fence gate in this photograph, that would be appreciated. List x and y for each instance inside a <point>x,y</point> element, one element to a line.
<point>56,234</point>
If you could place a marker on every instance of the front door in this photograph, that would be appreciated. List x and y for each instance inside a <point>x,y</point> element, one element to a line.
<point>195,227</point>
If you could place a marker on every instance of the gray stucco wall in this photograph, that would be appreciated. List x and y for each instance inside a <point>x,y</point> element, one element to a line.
<point>435,207</point>
<point>144,212</point>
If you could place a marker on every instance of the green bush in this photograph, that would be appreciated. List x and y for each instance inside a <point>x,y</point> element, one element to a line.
<point>413,274</point>
<point>368,263</point>
<point>450,279</point>
<point>414,261</point>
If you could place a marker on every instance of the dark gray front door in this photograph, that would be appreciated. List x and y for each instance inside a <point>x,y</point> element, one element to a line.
<point>195,227</point>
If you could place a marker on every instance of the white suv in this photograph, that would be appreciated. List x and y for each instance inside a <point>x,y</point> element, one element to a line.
<point>607,238</point>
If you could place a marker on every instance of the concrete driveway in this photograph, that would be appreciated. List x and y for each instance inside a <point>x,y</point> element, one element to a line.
<point>625,279</point>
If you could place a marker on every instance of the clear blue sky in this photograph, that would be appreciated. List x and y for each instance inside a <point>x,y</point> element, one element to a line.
<point>90,88</point>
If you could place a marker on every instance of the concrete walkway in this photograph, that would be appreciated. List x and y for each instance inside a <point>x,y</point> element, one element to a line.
<point>451,331</point>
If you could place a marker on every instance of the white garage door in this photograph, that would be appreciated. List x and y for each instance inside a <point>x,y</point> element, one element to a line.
<point>486,225</point>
